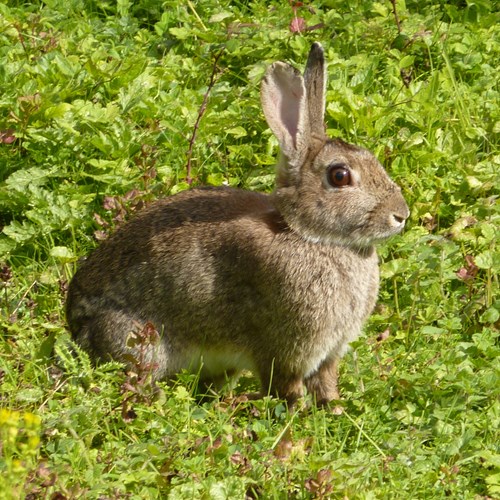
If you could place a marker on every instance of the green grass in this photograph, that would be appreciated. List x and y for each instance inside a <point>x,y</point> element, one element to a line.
<point>98,105</point>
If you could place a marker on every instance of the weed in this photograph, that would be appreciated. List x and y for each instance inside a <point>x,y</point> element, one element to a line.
<point>104,104</point>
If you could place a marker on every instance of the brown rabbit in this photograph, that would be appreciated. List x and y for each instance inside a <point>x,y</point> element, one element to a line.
<point>231,279</point>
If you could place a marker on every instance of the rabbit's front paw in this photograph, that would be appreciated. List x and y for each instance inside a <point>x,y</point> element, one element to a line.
<point>323,383</point>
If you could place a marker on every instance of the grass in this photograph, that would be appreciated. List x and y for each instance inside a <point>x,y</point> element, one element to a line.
<point>98,106</point>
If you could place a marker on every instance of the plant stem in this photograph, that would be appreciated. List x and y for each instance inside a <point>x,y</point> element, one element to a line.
<point>201,112</point>
<point>396,17</point>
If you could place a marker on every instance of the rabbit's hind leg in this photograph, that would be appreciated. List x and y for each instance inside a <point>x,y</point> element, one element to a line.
<point>279,383</point>
<point>109,333</point>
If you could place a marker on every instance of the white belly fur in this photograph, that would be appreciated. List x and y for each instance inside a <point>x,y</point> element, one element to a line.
<point>211,363</point>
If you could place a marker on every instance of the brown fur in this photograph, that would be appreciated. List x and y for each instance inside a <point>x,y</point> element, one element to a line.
<point>231,279</point>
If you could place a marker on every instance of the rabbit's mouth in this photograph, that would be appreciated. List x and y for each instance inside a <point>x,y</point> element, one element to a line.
<point>358,238</point>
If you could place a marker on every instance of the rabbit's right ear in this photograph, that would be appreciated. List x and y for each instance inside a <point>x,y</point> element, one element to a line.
<point>315,82</point>
<point>284,102</point>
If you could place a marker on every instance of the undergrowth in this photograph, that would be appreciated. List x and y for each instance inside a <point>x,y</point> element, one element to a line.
<point>106,107</point>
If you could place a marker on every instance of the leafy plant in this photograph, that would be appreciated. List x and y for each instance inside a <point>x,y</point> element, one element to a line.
<point>103,106</point>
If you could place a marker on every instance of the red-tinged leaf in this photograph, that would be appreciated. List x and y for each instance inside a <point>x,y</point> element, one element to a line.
<point>469,259</point>
<point>284,447</point>
<point>216,445</point>
<point>311,485</point>
<point>46,475</point>
<point>237,458</point>
<point>320,485</point>
<point>150,367</point>
<point>469,272</point>
<point>5,274</point>
<point>100,220</point>
<point>7,136</point>
<point>384,335</point>
<point>128,415</point>
<point>298,25</point>
<point>109,203</point>
<point>241,461</point>
<point>324,475</point>
<point>130,195</point>
<point>128,387</point>
<point>120,217</point>
<point>100,235</point>
<point>58,496</point>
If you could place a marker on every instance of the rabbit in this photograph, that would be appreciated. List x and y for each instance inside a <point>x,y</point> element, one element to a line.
<point>235,280</point>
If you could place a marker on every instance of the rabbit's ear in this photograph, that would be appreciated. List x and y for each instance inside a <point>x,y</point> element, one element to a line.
<point>284,101</point>
<point>315,82</point>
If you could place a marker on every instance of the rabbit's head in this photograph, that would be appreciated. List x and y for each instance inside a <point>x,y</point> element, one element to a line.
<point>327,190</point>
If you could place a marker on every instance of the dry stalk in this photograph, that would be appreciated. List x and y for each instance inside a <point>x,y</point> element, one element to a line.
<point>201,112</point>
<point>396,17</point>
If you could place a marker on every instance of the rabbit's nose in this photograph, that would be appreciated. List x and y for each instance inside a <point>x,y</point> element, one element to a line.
<point>400,214</point>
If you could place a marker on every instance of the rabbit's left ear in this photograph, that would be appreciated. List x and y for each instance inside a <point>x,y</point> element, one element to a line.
<point>284,102</point>
<point>315,83</point>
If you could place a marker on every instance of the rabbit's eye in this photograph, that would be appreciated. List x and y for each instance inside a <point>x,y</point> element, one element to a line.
<point>338,175</point>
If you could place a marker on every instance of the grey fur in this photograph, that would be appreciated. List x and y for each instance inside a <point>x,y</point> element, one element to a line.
<point>232,279</point>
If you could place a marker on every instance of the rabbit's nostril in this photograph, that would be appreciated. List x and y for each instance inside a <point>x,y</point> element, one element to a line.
<point>398,218</point>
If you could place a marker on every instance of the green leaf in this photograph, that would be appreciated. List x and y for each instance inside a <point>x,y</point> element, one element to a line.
<point>31,395</point>
<point>68,66</point>
<point>393,267</point>
<point>220,16</point>
<point>491,315</point>
<point>489,231</point>
<point>22,178</point>
<point>58,111</point>
<point>406,62</point>
<point>400,42</point>
<point>380,9</point>
<point>180,33</point>
<point>20,231</point>
<point>64,254</point>
<point>484,260</point>
<point>6,245</point>
<point>46,348</point>
<point>491,459</point>
<point>432,330</point>
<point>237,132</point>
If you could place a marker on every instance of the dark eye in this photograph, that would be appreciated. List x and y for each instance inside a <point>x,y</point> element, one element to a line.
<point>338,175</point>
